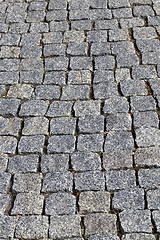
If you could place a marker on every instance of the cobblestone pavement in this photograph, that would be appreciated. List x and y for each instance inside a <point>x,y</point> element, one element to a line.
<point>79,119</point>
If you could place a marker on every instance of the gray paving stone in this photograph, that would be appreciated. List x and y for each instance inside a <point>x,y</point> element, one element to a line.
<point>153,21</point>
<point>120,140</point>
<point>131,23</point>
<point>40,27</point>
<point>96,36</point>
<point>54,163</point>
<point>100,49</point>
<point>52,37</point>
<point>31,64</point>
<point>73,36</point>
<point>57,181</point>
<point>153,197</point>
<point>81,25</point>
<point>75,49</point>
<point>98,4</point>
<point>35,16</point>
<point>79,77</point>
<point>9,78</point>
<point>138,236</point>
<point>136,221</point>
<point>8,144</point>
<point>31,144</point>
<point>32,227</point>
<point>118,35</point>
<point>9,65</point>
<point>4,181</point>
<point>27,182</point>
<point>47,92</point>
<point>10,126</point>
<point>37,6</point>
<point>30,39</point>
<point>158,70</point>
<point>60,203</point>
<point>156,218</point>
<point>60,5</point>
<point>16,7</point>
<point>105,62</point>
<point>122,74</point>
<point>91,202</point>
<point>8,224</point>
<point>55,78</point>
<point>79,4</point>
<point>2,90</point>
<point>146,119</point>
<point>28,203</point>
<point>133,88</point>
<point>100,223</point>
<point>140,2</point>
<point>85,161</point>
<point>124,47</point>
<point>91,124</point>
<point>132,199</point>
<point>3,162</point>
<point>79,14</point>
<point>107,236</point>
<point>9,52</point>
<point>142,103</point>
<point>33,77</point>
<point>151,58</point>
<point>96,14</point>
<point>75,92</point>
<point>105,90</point>
<point>154,83</point>
<point>122,13</point>
<point>149,178</point>
<point>156,6</point>
<point>59,109</point>
<point>31,52</point>
<point>21,91</point>
<point>158,98</point>
<point>147,137</point>
<point>83,108</point>
<point>9,107</point>
<point>58,63</point>
<point>10,39</point>
<point>90,142</point>
<point>143,72</point>
<point>143,11</point>
<point>33,108</point>
<point>62,125</point>
<point>3,6</point>
<point>144,33</point>
<point>2,17</point>
<point>118,122</point>
<point>118,4</point>
<point>35,126</point>
<point>23,164</point>
<point>65,226</point>
<point>147,157</point>
<point>102,76</point>
<point>116,104</point>
<point>61,144</point>
<point>127,60</point>
<point>117,159</point>
<point>19,28</point>
<point>54,50</point>
<point>4,202</point>
<point>81,63</point>
<point>116,180</point>
<point>90,181</point>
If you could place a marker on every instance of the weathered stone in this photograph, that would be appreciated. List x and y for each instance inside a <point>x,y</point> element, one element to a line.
<point>117,159</point>
<point>142,103</point>
<point>61,144</point>
<point>7,224</point>
<point>55,182</point>
<point>97,36</point>
<point>100,49</point>
<point>144,32</point>
<point>4,181</point>
<point>147,137</point>
<point>90,142</point>
<point>75,92</point>
<point>73,36</point>
<point>3,162</point>
<point>65,226</point>
<point>116,180</point>
<point>149,178</point>
<point>59,109</point>
<point>31,51</point>
<point>32,227</point>
<point>153,197</point>
<point>31,77</point>
<point>118,122</point>
<point>23,164</point>
<point>10,126</point>
<point>22,91</point>
<point>133,88</point>
<point>103,76</point>
<point>128,199</point>
<point>79,77</point>
<point>85,161</point>
<point>35,126</point>
<point>26,182</point>
<point>19,28</point>
<point>60,5</point>
<point>146,119</point>
<point>9,52</point>
<point>4,202</point>
<point>98,4</point>
<point>33,108</point>
<point>31,144</point>
<point>105,90</point>
<point>83,108</point>
<point>60,203</point>
<point>127,60</point>
<point>63,125</point>
<point>28,203</point>
<point>90,181</point>
<point>100,223</point>
<point>90,202</point>
<point>8,144</point>
<point>122,74</point>
<point>54,163</point>
<point>115,105</point>
<point>9,65</point>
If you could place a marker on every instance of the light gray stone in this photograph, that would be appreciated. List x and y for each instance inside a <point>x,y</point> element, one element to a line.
<point>133,88</point>
<point>85,161</point>
<point>10,126</point>
<point>127,60</point>
<point>107,236</point>
<point>4,202</point>
<point>149,178</point>
<point>8,144</point>
<point>58,26</point>
<point>142,103</point>
<point>81,25</point>
<point>118,122</point>
<point>31,64</point>
<point>147,137</point>
<point>73,36</point>
<point>103,76</point>
<point>122,74</point>
<point>91,202</point>
<point>118,35</point>
<point>3,162</point>
<point>35,126</point>
<point>33,108</point>
<point>7,224</point>
<point>100,49</point>
<point>40,27</point>
<point>106,24</point>
<point>60,203</point>
<point>4,181</point>
<point>28,203</point>
<point>54,163</point>
<point>60,5</point>
<point>9,78</point>
<point>9,52</point>
<point>63,125</point>
<point>79,77</point>
<point>91,124</point>
<point>10,39</point>
<point>75,92</point>
<point>105,62</point>
<point>31,77</point>
<point>77,49</point>
<point>131,23</point>
<point>59,109</point>
<point>153,199</point>
<point>144,72</point>
<point>52,37</point>
<point>143,11</point>
<point>144,32</point>
<point>122,13</point>
<point>115,105</point>
<point>27,182</point>
<point>90,142</point>
<point>81,63</point>
<point>56,15</point>
<point>83,108</point>
<point>55,182</point>
<point>154,83</point>
<point>105,90</point>
<point>54,50</point>
<point>9,65</point>
<point>56,64</point>
<point>55,78</point>
<point>146,119</point>
<point>156,218</point>
<point>22,91</point>
<point>31,51</point>
<point>138,236</point>
<point>31,144</point>
<point>35,16</point>
<point>118,4</point>
<point>98,4</point>
<point>96,14</point>
<point>97,36</point>
<point>61,144</point>
<point>23,164</point>
<point>148,45</point>
<point>30,39</point>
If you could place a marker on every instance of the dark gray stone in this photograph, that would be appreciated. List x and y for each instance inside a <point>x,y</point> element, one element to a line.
<point>31,64</point>
<point>133,88</point>
<point>90,142</point>
<point>106,24</point>
<point>97,36</point>
<point>105,90</point>
<point>127,60</point>
<point>100,49</point>
<point>4,181</point>
<point>81,63</point>
<point>79,14</point>
<point>103,76</point>
<point>96,14</point>
<point>33,108</point>
<point>156,219</point>
<point>81,25</point>
<point>59,109</point>
<point>31,144</point>
<point>77,49</point>
<point>54,50</point>
<point>58,63</point>
<point>91,124</point>
<point>98,4</point>
<point>58,26</point>
<point>47,92</point>
<point>79,4</point>
<point>61,144</point>
<point>149,178</point>
<point>122,13</point>
<point>60,5</point>
<point>35,16</point>
<point>9,65</point>
<point>63,125</point>
<point>105,62</point>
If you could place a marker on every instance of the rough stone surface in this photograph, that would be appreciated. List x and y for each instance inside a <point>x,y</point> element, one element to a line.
<point>147,137</point>
<point>35,126</point>
<point>138,236</point>
<point>4,202</point>
<point>153,197</point>
<point>91,124</point>
<point>93,142</point>
<point>149,178</point>
<point>64,144</point>
<point>8,224</point>
<point>31,144</point>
